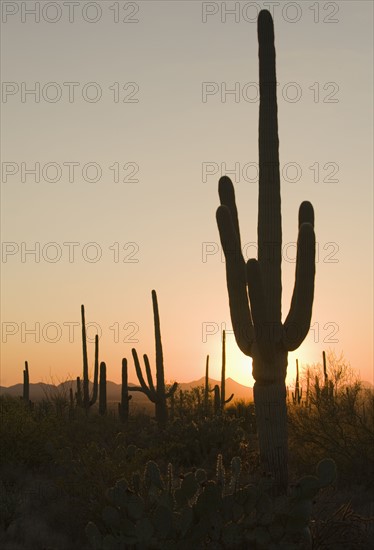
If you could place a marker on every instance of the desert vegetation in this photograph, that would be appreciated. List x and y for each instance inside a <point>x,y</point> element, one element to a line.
<point>78,478</point>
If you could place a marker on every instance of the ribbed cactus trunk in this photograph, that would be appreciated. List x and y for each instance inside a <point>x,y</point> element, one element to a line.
<point>102,390</point>
<point>257,326</point>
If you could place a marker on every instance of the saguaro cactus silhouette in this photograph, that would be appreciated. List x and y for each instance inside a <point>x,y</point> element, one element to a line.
<point>257,324</point>
<point>157,394</point>
<point>87,401</point>
<point>123,407</point>
<point>26,384</point>
<point>102,393</point>
<point>297,396</point>
<point>223,400</point>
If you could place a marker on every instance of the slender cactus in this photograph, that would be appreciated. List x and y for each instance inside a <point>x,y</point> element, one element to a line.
<point>87,400</point>
<point>206,387</point>
<point>325,375</point>
<point>223,375</point>
<point>102,390</point>
<point>123,407</point>
<point>307,387</point>
<point>297,396</point>
<point>26,384</point>
<point>157,394</point>
<point>78,393</point>
<point>217,400</point>
<point>258,328</point>
<point>96,372</point>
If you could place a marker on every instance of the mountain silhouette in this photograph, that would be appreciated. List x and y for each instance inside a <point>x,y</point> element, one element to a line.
<point>40,390</point>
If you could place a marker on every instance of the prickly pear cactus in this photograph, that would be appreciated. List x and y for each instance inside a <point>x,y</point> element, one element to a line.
<point>196,512</point>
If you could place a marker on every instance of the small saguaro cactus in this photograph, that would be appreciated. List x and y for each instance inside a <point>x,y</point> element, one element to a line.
<point>224,401</point>
<point>257,323</point>
<point>87,400</point>
<point>26,384</point>
<point>328,386</point>
<point>157,394</point>
<point>123,407</point>
<point>102,389</point>
<point>206,387</point>
<point>325,375</point>
<point>297,396</point>
<point>307,387</point>
<point>78,393</point>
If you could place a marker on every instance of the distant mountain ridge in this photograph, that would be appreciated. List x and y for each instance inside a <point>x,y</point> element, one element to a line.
<point>40,390</point>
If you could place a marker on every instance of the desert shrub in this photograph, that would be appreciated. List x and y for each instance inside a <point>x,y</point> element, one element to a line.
<point>340,425</point>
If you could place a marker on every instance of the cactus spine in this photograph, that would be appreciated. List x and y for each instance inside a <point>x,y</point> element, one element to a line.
<point>123,407</point>
<point>297,396</point>
<point>26,384</point>
<point>157,394</point>
<point>102,392</point>
<point>87,401</point>
<point>258,328</point>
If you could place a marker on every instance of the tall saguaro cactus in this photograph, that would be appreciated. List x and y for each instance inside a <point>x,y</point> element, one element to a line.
<point>157,394</point>
<point>257,324</point>
<point>87,400</point>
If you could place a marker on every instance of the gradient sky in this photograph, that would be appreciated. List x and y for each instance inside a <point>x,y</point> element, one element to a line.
<point>166,219</point>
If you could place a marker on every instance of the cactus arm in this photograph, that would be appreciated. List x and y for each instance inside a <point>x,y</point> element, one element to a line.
<point>143,386</point>
<point>149,374</point>
<point>227,198</point>
<point>236,281</point>
<point>269,229</point>
<point>171,390</point>
<point>229,399</point>
<point>300,313</point>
